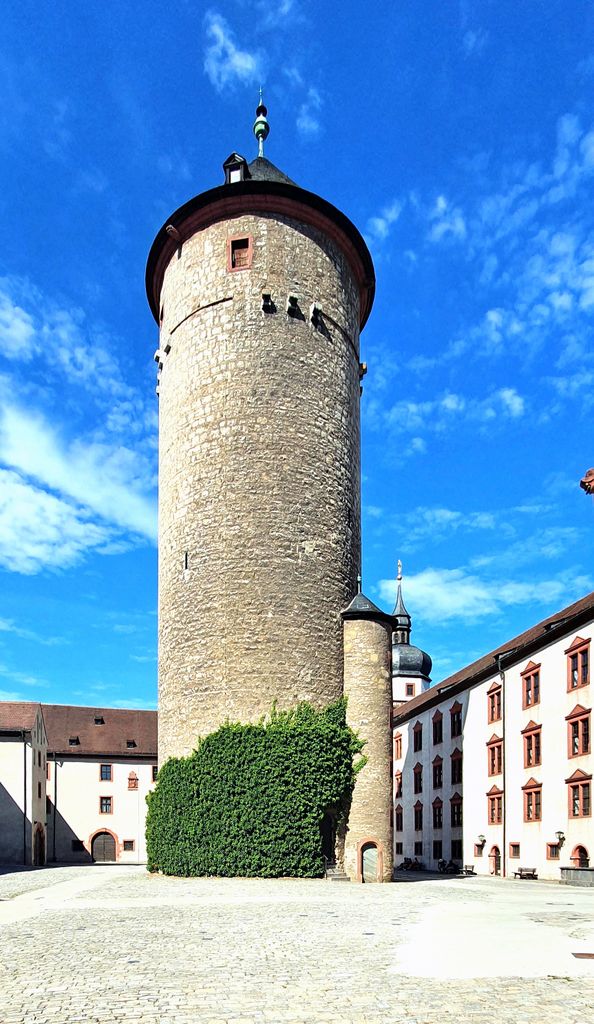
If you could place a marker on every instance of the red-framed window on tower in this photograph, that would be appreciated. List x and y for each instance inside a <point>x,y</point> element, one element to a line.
<point>578,663</point>
<point>578,732</point>
<point>240,252</point>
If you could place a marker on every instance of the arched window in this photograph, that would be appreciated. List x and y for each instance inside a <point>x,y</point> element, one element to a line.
<point>580,858</point>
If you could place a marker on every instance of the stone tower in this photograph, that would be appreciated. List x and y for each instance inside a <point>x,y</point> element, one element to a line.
<point>260,289</point>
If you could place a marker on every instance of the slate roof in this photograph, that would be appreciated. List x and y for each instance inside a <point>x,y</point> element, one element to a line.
<point>64,722</point>
<point>17,716</point>
<point>262,169</point>
<point>561,624</point>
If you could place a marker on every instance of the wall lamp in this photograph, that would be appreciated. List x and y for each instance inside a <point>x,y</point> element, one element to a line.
<point>560,838</point>
<point>481,841</point>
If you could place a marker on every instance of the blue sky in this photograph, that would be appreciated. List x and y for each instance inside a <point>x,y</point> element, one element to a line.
<point>459,137</point>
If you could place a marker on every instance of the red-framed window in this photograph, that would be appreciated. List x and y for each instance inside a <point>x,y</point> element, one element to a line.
<point>397,746</point>
<point>514,850</point>
<point>398,818</point>
<point>578,731</point>
<point>240,251</point>
<point>578,663</point>
<point>437,772</point>
<point>494,703</point>
<point>456,811</point>
<point>437,813</point>
<point>105,805</point>
<point>553,851</point>
<point>495,806</point>
<point>418,778</point>
<point>417,737</point>
<point>418,809</point>
<point>456,719</point>
<point>530,685</point>
<point>579,794</point>
<point>495,756</point>
<point>398,785</point>
<point>532,801</point>
<point>105,773</point>
<point>437,727</point>
<point>456,767</point>
<point>532,736</point>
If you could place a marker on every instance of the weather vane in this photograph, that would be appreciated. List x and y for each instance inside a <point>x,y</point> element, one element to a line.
<point>399,577</point>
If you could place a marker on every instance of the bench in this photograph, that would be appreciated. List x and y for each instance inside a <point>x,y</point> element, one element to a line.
<point>525,873</point>
<point>468,869</point>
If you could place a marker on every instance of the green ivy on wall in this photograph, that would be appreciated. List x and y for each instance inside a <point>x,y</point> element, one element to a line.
<point>250,799</point>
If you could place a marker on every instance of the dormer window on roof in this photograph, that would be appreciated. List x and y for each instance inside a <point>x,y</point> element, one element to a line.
<point>130,744</point>
<point>235,168</point>
<point>74,741</point>
<point>99,720</point>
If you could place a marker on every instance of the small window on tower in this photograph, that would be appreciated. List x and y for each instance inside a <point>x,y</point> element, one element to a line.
<point>239,253</point>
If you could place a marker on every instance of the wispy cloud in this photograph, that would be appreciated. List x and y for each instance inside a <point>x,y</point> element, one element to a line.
<point>109,480</point>
<point>379,226</point>
<point>224,61</point>
<point>9,626</point>
<point>474,42</point>
<point>308,121</point>
<point>443,595</point>
<point>447,222</point>
<point>18,337</point>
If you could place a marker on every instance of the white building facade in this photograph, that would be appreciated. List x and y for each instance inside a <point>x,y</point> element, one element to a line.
<point>493,766</point>
<point>102,762</point>
<point>23,754</point>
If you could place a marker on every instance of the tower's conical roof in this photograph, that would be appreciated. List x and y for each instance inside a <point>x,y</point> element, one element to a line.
<point>261,169</point>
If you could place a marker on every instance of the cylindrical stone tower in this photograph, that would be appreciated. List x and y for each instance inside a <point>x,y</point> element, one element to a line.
<point>260,289</point>
<point>367,852</point>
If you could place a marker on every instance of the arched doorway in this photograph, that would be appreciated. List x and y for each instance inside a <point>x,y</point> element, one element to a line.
<point>580,858</point>
<point>39,847</point>
<point>495,859</point>
<point>369,862</point>
<point>103,847</point>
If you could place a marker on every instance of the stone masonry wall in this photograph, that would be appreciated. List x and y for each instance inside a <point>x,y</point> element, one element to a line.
<point>368,687</point>
<point>259,477</point>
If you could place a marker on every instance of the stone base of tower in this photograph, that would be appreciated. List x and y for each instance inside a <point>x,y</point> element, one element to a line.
<point>367,851</point>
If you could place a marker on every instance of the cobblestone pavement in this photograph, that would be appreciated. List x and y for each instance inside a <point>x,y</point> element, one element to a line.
<point>100,944</point>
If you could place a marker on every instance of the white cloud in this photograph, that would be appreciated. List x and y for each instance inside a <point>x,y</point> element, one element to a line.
<point>308,122</point>
<point>9,626</point>
<point>112,481</point>
<point>378,227</point>
<point>511,401</point>
<point>18,339</point>
<point>441,595</point>
<point>22,678</point>
<point>474,42</point>
<point>224,62</point>
<point>447,222</point>
<point>40,531</point>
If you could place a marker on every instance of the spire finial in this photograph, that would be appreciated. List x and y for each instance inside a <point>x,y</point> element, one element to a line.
<point>359,583</point>
<point>261,126</point>
<point>399,576</point>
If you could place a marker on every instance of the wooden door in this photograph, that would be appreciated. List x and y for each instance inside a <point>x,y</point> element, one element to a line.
<point>103,847</point>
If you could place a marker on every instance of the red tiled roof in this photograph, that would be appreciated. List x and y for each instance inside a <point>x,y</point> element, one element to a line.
<point>554,626</point>
<point>17,716</point>
<point>120,725</point>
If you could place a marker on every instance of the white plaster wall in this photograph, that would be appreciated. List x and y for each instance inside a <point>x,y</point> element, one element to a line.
<point>13,801</point>
<point>78,789</point>
<point>555,704</point>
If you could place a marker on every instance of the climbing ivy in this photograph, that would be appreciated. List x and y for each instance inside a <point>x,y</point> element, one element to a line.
<point>251,798</point>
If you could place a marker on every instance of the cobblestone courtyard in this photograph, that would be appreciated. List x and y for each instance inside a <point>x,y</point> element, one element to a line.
<point>115,944</point>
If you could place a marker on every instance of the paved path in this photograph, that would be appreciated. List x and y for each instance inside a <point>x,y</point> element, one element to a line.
<point>98,944</point>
